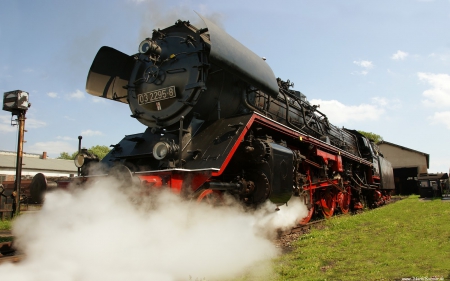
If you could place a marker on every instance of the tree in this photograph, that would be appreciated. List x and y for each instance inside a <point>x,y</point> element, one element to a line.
<point>65,155</point>
<point>371,136</point>
<point>99,150</point>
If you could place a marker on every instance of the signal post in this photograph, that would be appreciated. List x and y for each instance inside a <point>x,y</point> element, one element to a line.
<point>17,103</point>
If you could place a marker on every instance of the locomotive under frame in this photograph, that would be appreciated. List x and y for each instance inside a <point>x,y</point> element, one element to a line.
<point>220,122</point>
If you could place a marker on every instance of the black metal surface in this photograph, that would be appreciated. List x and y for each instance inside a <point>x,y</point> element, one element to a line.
<point>234,57</point>
<point>175,76</point>
<point>37,188</point>
<point>387,174</point>
<point>110,71</point>
<point>282,173</point>
<point>196,91</point>
<point>211,147</point>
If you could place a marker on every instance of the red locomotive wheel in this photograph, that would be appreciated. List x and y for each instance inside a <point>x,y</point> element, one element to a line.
<point>209,196</point>
<point>306,198</point>
<point>343,200</point>
<point>306,219</point>
<point>328,204</point>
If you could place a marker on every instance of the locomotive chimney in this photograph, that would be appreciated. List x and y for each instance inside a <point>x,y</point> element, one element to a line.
<point>44,155</point>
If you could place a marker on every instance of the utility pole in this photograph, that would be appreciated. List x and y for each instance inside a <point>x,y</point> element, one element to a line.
<point>79,151</point>
<point>17,103</point>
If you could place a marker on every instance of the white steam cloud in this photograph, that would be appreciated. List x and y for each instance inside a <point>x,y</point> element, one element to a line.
<point>99,233</point>
<point>157,14</point>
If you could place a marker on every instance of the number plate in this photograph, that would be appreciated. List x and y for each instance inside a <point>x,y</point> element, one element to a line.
<point>157,95</point>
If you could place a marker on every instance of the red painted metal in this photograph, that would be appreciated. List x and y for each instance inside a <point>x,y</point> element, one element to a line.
<point>199,179</point>
<point>343,200</point>
<point>203,194</point>
<point>328,204</point>
<point>176,180</point>
<point>151,180</point>
<point>322,184</point>
<point>311,191</point>
<point>337,159</point>
<point>63,184</point>
<point>358,206</point>
<point>306,219</point>
<point>379,198</point>
<point>210,196</point>
<point>377,195</point>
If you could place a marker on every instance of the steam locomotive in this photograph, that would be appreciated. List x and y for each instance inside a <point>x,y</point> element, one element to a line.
<point>218,121</point>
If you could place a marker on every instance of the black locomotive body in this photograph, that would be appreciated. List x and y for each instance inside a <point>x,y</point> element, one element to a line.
<point>220,122</point>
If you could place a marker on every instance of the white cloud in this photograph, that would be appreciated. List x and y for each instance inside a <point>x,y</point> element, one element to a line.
<point>52,94</point>
<point>65,138</point>
<point>98,100</point>
<point>34,123</point>
<point>399,55</point>
<point>439,94</point>
<point>443,56</point>
<point>69,118</point>
<point>91,133</point>
<point>387,103</point>
<point>53,148</point>
<point>363,72</point>
<point>339,113</point>
<point>364,63</point>
<point>441,118</point>
<point>5,124</point>
<point>76,95</point>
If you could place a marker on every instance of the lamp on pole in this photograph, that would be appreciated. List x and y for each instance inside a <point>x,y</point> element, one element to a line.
<point>17,103</point>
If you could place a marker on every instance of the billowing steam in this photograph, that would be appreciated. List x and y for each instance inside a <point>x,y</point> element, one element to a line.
<point>100,233</point>
<point>161,14</point>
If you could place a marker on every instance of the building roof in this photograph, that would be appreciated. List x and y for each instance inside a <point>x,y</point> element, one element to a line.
<point>409,149</point>
<point>438,176</point>
<point>34,163</point>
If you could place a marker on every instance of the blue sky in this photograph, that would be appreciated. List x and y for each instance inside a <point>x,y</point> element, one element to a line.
<point>379,66</point>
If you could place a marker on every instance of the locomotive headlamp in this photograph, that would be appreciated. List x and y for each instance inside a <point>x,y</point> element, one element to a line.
<point>148,46</point>
<point>85,160</point>
<point>160,150</point>
<point>163,149</point>
<point>79,160</point>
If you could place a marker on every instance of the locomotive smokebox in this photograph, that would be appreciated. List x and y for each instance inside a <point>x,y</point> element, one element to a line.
<point>181,71</point>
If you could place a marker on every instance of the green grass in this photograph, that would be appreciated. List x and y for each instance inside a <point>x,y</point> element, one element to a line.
<point>6,239</point>
<point>5,225</point>
<point>405,239</point>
